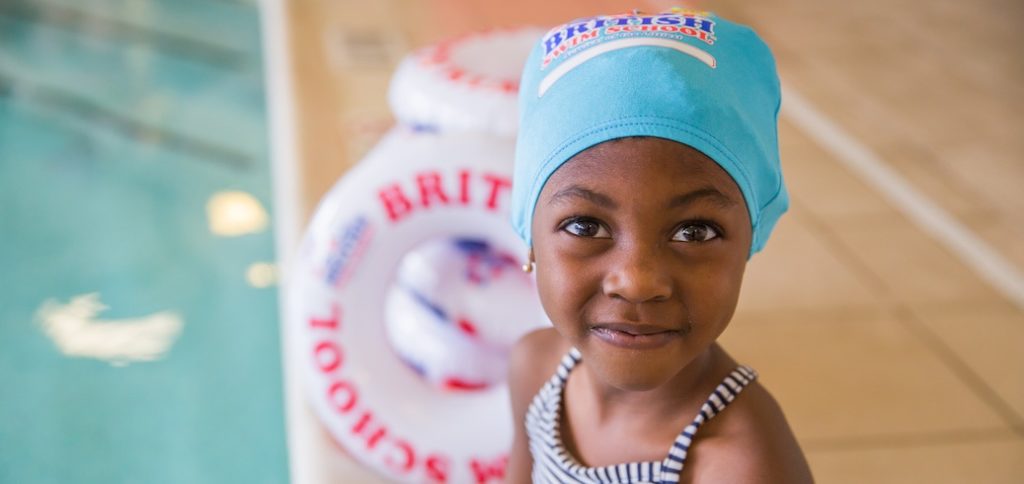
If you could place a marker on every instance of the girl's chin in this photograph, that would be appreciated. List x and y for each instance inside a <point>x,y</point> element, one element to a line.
<point>633,370</point>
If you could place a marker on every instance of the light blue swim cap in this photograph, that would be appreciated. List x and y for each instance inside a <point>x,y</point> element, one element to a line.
<point>690,77</point>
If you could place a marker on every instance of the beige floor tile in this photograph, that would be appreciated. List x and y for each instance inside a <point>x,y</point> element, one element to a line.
<point>316,130</point>
<point>920,166</point>
<point>1006,237</point>
<point>325,460</point>
<point>838,96</point>
<point>856,379</point>
<point>933,170</point>
<point>910,265</point>
<point>989,340</point>
<point>996,462</point>
<point>993,173</point>
<point>913,147</point>
<point>915,157</point>
<point>363,129</point>
<point>364,116</point>
<point>820,183</point>
<point>955,136</point>
<point>798,271</point>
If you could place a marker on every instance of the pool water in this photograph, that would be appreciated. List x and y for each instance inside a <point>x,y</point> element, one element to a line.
<point>139,337</point>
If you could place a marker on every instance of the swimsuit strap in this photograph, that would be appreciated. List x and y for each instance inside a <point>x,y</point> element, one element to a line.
<point>552,463</point>
<point>721,397</point>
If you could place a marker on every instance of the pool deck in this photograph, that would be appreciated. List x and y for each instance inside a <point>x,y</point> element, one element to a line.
<point>886,313</point>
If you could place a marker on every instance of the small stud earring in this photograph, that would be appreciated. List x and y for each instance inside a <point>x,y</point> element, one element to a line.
<point>528,266</point>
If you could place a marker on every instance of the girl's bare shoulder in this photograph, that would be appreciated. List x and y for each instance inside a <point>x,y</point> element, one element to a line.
<point>533,360</point>
<point>750,441</point>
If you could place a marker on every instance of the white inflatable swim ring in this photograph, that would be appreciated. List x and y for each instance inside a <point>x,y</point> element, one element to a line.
<point>405,264</point>
<point>456,308</point>
<point>468,83</point>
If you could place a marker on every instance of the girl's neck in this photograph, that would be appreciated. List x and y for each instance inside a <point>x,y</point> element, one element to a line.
<point>686,390</point>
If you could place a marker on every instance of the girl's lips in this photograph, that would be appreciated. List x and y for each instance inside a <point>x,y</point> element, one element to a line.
<point>634,336</point>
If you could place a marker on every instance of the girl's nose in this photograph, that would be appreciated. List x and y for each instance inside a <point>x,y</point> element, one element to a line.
<point>639,274</point>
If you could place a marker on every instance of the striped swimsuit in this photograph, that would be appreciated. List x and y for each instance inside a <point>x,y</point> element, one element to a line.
<point>553,464</point>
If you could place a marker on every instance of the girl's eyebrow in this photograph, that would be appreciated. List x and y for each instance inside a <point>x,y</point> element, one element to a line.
<point>708,192</point>
<point>576,191</point>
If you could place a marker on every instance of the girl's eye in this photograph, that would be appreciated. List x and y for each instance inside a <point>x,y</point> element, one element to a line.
<point>696,232</point>
<point>582,227</point>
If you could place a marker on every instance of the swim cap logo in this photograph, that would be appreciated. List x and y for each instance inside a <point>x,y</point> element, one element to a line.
<point>582,33</point>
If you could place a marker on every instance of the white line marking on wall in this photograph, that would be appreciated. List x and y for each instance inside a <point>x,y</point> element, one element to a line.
<point>987,262</point>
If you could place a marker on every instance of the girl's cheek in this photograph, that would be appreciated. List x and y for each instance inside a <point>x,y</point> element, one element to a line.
<point>577,251</point>
<point>556,284</point>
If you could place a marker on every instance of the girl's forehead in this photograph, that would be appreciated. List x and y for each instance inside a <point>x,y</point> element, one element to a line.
<point>645,161</point>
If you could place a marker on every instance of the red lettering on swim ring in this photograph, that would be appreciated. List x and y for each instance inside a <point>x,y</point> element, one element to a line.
<point>433,189</point>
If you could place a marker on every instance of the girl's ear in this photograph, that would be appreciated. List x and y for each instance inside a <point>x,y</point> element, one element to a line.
<point>528,266</point>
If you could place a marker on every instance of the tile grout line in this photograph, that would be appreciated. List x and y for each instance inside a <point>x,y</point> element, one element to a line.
<point>922,439</point>
<point>960,368</point>
<point>986,262</point>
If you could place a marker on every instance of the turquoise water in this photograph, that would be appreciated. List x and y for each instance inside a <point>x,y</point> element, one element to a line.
<point>119,120</point>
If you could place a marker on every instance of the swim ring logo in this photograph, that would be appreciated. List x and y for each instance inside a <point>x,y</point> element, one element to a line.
<point>676,24</point>
<point>347,247</point>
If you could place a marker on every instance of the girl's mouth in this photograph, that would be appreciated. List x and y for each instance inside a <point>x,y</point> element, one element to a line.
<point>634,336</point>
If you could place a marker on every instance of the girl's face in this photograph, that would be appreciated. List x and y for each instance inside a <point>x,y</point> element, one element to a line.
<point>640,245</point>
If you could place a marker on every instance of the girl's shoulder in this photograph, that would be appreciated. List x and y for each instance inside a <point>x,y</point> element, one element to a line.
<point>533,360</point>
<point>750,441</point>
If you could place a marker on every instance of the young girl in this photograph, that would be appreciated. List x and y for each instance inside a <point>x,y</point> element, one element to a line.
<point>647,173</point>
